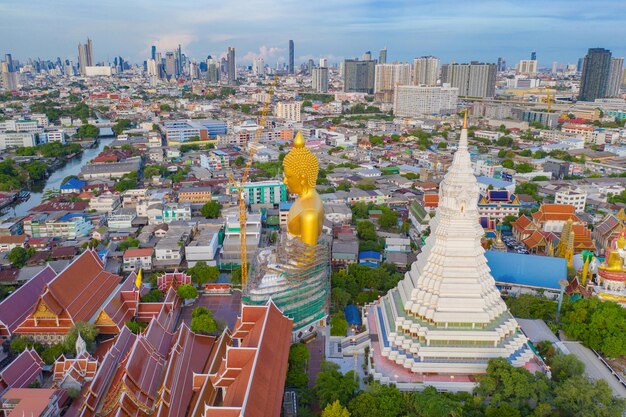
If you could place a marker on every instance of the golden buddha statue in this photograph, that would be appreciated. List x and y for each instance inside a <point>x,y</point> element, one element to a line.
<point>615,257</point>
<point>306,215</point>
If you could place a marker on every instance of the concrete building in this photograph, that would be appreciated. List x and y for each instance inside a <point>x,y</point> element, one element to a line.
<point>195,195</point>
<point>85,56</point>
<point>320,80</point>
<point>136,259</point>
<point>387,77</point>
<point>232,69</point>
<point>106,202</point>
<point>527,67</point>
<point>203,248</point>
<point>289,110</point>
<point>416,101</point>
<point>576,198</point>
<point>594,80</point>
<point>615,77</point>
<point>358,76</point>
<point>264,192</point>
<point>425,71</point>
<point>231,254</point>
<point>16,140</point>
<point>291,53</point>
<point>177,131</point>
<point>473,80</point>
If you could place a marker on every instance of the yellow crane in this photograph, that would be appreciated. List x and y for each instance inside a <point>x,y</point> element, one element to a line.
<point>240,188</point>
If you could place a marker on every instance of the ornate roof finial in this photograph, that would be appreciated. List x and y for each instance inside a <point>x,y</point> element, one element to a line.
<point>465,119</point>
<point>298,142</point>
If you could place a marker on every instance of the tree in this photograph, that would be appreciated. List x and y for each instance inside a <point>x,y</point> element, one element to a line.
<point>87,131</point>
<point>21,343</point>
<point>201,273</point>
<point>235,276</point>
<point>507,220</point>
<point>240,161</point>
<point>211,210</point>
<point>507,163</point>
<point>503,410</point>
<point>202,321</point>
<point>165,107</point>
<point>128,243</point>
<point>388,219</point>
<point>50,354</point>
<point>136,326</point>
<point>120,126</point>
<point>340,298</point>
<point>335,410</point>
<point>429,403</point>
<point>331,385</point>
<point>338,325</point>
<point>565,367</point>
<point>366,184</point>
<point>378,401</point>
<point>154,296</point>
<point>523,168</point>
<point>442,145</point>
<point>37,170</point>
<point>18,256</point>
<point>578,397</point>
<point>88,333</point>
<point>187,291</point>
<point>297,376</point>
<point>366,230</point>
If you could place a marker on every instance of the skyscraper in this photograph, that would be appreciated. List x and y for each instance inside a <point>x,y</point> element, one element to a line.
<point>9,60</point>
<point>579,66</point>
<point>367,56</point>
<point>386,78</point>
<point>320,80</point>
<point>382,56</point>
<point>310,66</point>
<point>291,52</point>
<point>232,73</point>
<point>258,66</point>
<point>527,67</point>
<point>212,70</point>
<point>179,62</point>
<point>473,80</point>
<point>533,56</point>
<point>170,65</point>
<point>323,63</point>
<point>595,76</point>
<point>425,70</point>
<point>501,66</point>
<point>358,76</point>
<point>85,56</point>
<point>615,77</point>
<point>153,55</point>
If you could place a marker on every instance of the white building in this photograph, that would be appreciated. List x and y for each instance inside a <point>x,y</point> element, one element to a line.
<point>135,259</point>
<point>16,140</point>
<point>203,248</point>
<point>416,101</point>
<point>289,110</point>
<point>387,76</point>
<point>106,202</point>
<point>55,136</point>
<point>425,70</point>
<point>576,198</point>
<point>319,81</point>
<point>527,67</point>
<point>102,71</point>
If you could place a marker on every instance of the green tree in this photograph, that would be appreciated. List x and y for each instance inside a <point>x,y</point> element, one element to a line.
<point>331,385</point>
<point>154,296</point>
<point>165,107</point>
<point>51,353</point>
<point>366,230</point>
<point>335,410</point>
<point>211,210</point>
<point>297,376</point>
<point>18,256</point>
<point>578,397</point>
<point>240,161</point>
<point>87,131</point>
<point>37,170</point>
<point>503,410</point>
<point>187,291</point>
<point>128,243</point>
<point>120,126</point>
<point>378,401</point>
<point>202,321</point>
<point>235,276</point>
<point>21,343</point>
<point>507,163</point>
<point>127,182</point>
<point>136,326</point>
<point>442,145</point>
<point>340,298</point>
<point>366,184</point>
<point>338,325</point>
<point>523,168</point>
<point>430,403</point>
<point>201,273</point>
<point>389,219</point>
<point>153,170</point>
<point>87,331</point>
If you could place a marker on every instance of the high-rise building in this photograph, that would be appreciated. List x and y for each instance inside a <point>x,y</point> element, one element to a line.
<point>291,53</point>
<point>473,80</point>
<point>624,78</point>
<point>323,63</point>
<point>533,56</point>
<point>258,66</point>
<point>595,75</point>
<point>170,65</point>
<point>387,76</point>
<point>416,101</point>
<point>615,77</point>
<point>527,67</point>
<point>501,66</point>
<point>367,56</point>
<point>232,69</point>
<point>579,66</point>
<point>85,56</point>
<point>554,67</point>
<point>212,70</point>
<point>358,76</point>
<point>425,70</point>
<point>320,80</point>
<point>9,60</point>
<point>446,318</point>
<point>289,110</point>
<point>9,79</point>
<point>382,56</point>
<point>179,62</point>
<point>153,54</point>
<point>310,66</point>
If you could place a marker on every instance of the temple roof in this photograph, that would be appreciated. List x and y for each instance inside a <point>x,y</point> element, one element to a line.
<point>555,212</point>
<point>22,371</point>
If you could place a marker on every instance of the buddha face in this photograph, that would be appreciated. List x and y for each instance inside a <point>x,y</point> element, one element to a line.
<point>295,182</point>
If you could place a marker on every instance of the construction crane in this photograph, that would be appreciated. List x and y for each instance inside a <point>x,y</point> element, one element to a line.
<point>240,188</point>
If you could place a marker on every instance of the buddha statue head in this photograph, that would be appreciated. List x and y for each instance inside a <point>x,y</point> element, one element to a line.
<point>621,241</point>
<point>301,167</point>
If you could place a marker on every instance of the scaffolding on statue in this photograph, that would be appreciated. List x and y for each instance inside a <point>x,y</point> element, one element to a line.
<point>296,277</point>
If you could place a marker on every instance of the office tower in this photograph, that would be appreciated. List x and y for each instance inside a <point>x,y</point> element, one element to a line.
<point>615,77</point>
<point>554,67</point>
<point>153,54</point>
<point>416,101</point>
<point>425,70</point>
<point>212,70</point>
<point>9,60</point>
<point>579,67</point>
<point>310,66</point>
<point>258,66</point>
<point>473,80</point>
<point>533,56</point>
<point>320,80</point>
<point>179,62</point>
<point>358,76</point>
<point>291,52</point>
<point>85,56</point>
<point>170,65</point>
<point>152,68</point>
<point>595,75</point>
<point>232,75</point>
<point>387,76</point>
<point>382,56</point>
<point>367,56</point>
<point>9,78</point>
<point>527,67</point>
<point>323,63</point>
<point>501,66</point>
<point>624,78</point>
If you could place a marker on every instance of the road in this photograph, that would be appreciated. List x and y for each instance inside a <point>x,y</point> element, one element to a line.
<point>594,368</point>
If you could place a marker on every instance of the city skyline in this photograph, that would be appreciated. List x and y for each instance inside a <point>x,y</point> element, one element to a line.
<point>459,32</point>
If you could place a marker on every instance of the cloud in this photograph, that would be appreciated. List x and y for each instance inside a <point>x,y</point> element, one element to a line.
<point>268,53</point>
<point>170,41</point>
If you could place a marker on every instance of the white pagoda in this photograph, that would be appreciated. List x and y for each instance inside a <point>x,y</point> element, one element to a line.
<point>446,319</point>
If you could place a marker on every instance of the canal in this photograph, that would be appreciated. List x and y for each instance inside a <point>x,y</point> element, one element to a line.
<point>71,167</point>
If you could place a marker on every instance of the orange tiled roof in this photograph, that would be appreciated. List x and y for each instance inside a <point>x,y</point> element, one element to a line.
<point>536,239</point>
<point>556,212</point>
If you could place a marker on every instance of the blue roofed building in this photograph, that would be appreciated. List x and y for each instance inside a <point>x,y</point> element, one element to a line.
<point>496,184</point>
<point>497,204</point>
<point>370,258</point>
<point>72,186</point>
<point>520,274</point>
<point>353,317</point>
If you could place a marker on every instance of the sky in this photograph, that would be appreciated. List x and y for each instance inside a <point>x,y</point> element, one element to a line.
<point>453,30</point>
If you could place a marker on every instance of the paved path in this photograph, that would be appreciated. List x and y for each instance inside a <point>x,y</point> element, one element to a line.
<point>224,307</point>
<point>316,356</point>
<point>594,368</point>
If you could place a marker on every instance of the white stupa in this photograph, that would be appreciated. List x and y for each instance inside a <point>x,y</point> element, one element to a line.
<point>446,319</point>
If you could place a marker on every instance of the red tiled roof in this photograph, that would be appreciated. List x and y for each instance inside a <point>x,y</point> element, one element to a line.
<point>22,371</point>
<point>431,200</point>
<point>138,253</point>
<point>558,212</point>
<point>13,239</point>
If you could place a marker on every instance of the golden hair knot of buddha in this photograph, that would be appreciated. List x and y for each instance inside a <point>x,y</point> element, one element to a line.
<point>302,161</point>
